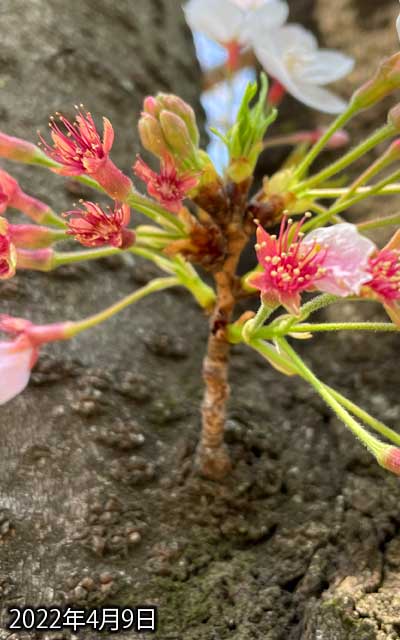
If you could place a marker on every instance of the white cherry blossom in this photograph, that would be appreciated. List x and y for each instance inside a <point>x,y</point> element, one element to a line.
<point>228,21</point>
<point>291,55</point>
<point>398,26</point>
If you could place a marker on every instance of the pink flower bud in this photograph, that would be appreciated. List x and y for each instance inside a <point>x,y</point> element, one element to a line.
<point>174,104</point>
<point>150,106</point>
<point>390,460</point>
<point>151,135</point>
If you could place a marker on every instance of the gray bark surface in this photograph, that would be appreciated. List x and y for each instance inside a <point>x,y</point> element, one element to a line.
<point>98,502</point>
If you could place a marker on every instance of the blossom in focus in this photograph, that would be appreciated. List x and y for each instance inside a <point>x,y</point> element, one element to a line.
<point>346,260</point>
<point>291,55</point>
<point>288,266</point>
<point>19,355</point>
<point>94,227</point>
<point>230,22</point>
<point>8,254</point>
<point>333,260</point>
<point>167,187</point>
<point>384,283</point>
<point>79,149</point>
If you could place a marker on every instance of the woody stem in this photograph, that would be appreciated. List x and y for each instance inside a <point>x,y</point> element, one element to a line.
<point>212,456</point>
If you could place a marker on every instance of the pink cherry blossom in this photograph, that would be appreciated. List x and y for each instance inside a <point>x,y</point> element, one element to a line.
<point>384,283</point>
<point>346,259</point>
<point>79,149</point>
<point>94,227</point>
<point>334,260</point>
<point>168,187</point>
<point>289,266</point>
<point>8,255</point>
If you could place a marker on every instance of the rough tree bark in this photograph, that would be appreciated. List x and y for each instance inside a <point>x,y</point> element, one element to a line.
<point>98,503</point>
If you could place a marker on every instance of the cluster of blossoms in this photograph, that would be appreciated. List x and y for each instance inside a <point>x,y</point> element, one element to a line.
<point>206,218</point>
<point>237,34</point>
<point>288,52</point>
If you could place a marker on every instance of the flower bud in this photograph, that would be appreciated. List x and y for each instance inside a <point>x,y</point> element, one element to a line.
<point>384,82</point>
<point>394,117</point>
<point>151,136</point>
<point>390,459</point>
<point>177,137</point>
<point>169,102</point>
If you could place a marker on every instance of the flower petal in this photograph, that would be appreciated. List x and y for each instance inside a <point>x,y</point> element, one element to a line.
<point>346,260</point>
<point>318,98</point>
<point>15,369</point>
<point>325,66</point>
<point>220,21</point>
<point>271,15</point>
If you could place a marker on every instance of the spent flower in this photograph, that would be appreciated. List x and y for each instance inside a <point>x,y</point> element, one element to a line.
<point>79,150</point>
<point>92,226</point>
<point>167,187</point>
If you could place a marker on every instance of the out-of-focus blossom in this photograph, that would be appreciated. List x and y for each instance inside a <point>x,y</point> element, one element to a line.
<point>346,260</point>
<point>94,227</point>
<point>19,355</point>
<point>398,26</point>
<point>291,55</point>
<point>230,22</point>
<point>168,187</point>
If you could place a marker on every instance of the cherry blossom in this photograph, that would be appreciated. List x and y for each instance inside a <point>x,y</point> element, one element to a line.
<point>79,150</point>
<point>94,227</point>
<point>168,187</point>
<point>291,55</point>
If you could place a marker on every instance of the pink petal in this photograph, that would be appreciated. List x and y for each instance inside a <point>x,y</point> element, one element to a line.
<point>346,259</point>
<point>15,369</point>
<point>108,135</point>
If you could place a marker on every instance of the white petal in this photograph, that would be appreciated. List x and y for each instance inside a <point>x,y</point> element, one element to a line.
<point>220,20</point>
<point>15,369</point>
<point>398,26</point>
<point>318,98</point>
<point>270,16</point>
<point>325,66</point>
<point>295,36</point>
